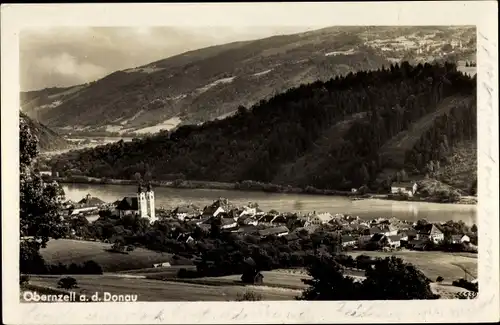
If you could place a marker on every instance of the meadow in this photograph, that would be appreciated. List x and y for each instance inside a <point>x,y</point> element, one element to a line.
<point>433,264</point>
<point>154,290</point>
<point>67,251</point>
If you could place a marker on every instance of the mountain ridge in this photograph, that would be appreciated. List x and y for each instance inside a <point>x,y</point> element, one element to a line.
<point>208,83</point>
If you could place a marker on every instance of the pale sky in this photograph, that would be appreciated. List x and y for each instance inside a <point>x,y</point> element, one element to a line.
<point>59,57</point>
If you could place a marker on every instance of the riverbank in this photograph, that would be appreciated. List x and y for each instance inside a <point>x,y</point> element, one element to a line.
<point>189,184</point>
<point>255,187</point>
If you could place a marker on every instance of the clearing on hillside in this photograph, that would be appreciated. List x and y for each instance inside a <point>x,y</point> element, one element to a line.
<point>67,251</point>
<point>393,152</point>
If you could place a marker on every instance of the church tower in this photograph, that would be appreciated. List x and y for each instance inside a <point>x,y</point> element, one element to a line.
<point>150,200</point>
<point>141,202</point>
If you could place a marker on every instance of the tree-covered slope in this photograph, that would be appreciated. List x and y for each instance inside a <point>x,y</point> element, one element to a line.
<point>300,127</point>
<point>47,138</point>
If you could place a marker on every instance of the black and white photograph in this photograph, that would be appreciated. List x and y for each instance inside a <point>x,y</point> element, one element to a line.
<point>264,163</point>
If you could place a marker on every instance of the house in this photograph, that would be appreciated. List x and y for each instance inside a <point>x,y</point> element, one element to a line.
<point>377,241</point>
<point>307,228</point>
<point>394,241</point>
<point>228,223</point>
<point>185,212</point>
<point>164,264</point>
<point>291,237</point>
<point>458,239</point>
<point>279,220</point>
<point>325,217</point>
<point>89,201</point>
<point>248,212</point>
<point>348,241</point>
<point>128,206</point>
<point>417,244</point>
<point>314,219</point>
<point>212,211</point>
<point>266,219</point>
<point>430,232</point>
<point>363,240</point>
<point>247,220</point>
<point>83,211</point>
<point>389,230</point>
<point>411,233</point>
<point>375,230</point>
<point>409,188</point>
<point>276,231</point>
<point>220,205</point>
<point>246,230</point>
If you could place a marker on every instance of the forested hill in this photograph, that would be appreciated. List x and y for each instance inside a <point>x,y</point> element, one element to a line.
<point>47,138</point>
<point>330,135</point>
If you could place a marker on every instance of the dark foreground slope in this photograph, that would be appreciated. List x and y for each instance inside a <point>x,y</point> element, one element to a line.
<point>327,134</point>
<point>47,138</point>
<point>212,82</point>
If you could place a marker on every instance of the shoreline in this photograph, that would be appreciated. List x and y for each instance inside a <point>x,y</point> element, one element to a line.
<point>253,186</point>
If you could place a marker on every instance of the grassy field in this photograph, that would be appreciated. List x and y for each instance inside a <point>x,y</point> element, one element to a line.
<point>433,264</point>
<point>68,251</point>
<point>153,290</point>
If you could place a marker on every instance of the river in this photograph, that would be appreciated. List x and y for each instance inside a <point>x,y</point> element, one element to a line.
<point>367,209</point>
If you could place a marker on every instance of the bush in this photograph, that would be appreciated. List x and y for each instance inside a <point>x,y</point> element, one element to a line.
<point>462,283</point>
<point>91,267</point>
<point>187,274</point>
<point>249,296</point>
<point>439,279</point>
<point>67,283</point>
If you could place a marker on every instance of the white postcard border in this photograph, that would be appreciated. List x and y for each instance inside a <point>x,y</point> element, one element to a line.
<point>482,14</point>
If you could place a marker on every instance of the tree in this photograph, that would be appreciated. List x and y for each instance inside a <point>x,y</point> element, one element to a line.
<point>67,283</point>
<point>248,296</point>
<point>393,279</point>
<point>473,228</point>
<point>328,282</point>
<point>40,202</point>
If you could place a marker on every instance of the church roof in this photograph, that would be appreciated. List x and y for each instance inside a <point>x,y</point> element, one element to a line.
<point>128,203</point>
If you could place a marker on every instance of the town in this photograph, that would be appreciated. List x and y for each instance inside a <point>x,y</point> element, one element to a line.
<point>383,233</point>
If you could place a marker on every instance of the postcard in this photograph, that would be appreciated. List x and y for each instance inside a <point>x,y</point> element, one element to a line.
<point>250,163</point>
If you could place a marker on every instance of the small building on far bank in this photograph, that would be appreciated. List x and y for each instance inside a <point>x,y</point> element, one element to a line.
<point>459,239</point>
<point>409,188</point>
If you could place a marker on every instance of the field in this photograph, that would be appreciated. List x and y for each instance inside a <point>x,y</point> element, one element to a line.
<point>433,264</point>
<point>68,251</point>
<point>154,290</point>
